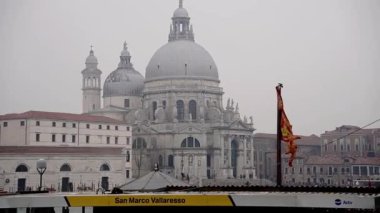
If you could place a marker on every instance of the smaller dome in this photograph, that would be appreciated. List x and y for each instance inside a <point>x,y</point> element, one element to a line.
<point>91,59</point>
<point>180,12</point>
<point>123,82</point>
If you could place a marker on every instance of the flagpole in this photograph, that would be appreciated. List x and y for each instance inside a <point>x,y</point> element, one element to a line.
<point>279,170</point>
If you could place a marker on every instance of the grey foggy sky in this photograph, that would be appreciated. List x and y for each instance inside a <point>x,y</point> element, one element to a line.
<point>325,52</point>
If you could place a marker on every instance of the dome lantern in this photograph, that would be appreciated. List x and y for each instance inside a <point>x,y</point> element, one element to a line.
<point>125,58</point>
<point>180,28</point>
<point>181,57</point>
<point>91,60</point>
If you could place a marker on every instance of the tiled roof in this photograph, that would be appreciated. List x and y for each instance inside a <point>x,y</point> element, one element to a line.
<point>58,116</point>
<point>304,141</point>
<point>345,129</point>
<point>325,160</point>
<point>50,150</point>
<point>337,160</point>
<point>265,135</point>
<point>367,161</point>
<point>309,140</point>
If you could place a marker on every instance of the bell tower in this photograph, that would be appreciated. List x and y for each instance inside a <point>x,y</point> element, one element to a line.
<point>91,84</point>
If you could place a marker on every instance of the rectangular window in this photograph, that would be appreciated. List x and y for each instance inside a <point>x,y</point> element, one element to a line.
<point>63,124</point>
<point>100,126</point>
<point>308,170</point>
<point>342,171</point>
<point>116,128</point>
<point>128,157</point>
<point>126,103</point>
<point>108,127</point>
<point>127,128</point>
<point>321,170</point>
<point>53,137</point>
<point>127,140</point>
<point>5,124</point>
<point>116,140</point>
<point>88,126</point>
<point>355,170</point>
<point>314,170</point>
<point>301,170</point>
<point>341,143</point>
<point>53,123</point>
<point>127,173</point>
<point>74,125</point>
<point>22,123</point>
<point>73,138</point>
<point>108,140</point>
<point>63,138</point>
<point>371,170</point>
<point>87,139</point>
<point>356,144</point>
<point>37,123</point>
<point>37,137</point>
<point>363,171</point>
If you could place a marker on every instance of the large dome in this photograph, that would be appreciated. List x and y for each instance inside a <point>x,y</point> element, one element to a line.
<point>181,59</point>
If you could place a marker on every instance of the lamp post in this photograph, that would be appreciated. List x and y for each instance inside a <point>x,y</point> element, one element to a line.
<point>41,168</point>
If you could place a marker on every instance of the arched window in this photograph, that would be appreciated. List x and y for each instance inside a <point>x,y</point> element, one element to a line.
<point>190,142</point>
<point>154,107</point>
<point>197,144</point>
<point>193,109</point>
<point>139,143</point>
<point>21,168</point>
<point>180,110</point>
<point>164,104</point>
<point>104,167</point>
<point>171,161</point>
<point>65,168</point>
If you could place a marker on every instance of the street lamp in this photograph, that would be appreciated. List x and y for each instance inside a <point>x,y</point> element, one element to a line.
<point>41,168</point>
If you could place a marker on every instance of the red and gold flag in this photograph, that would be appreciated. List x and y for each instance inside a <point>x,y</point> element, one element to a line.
<point>286,129</point>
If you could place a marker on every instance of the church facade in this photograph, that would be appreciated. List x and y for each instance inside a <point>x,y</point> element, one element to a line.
<point>176,111</point>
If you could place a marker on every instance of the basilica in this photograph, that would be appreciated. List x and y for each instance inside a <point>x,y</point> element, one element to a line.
<point>176,111</point>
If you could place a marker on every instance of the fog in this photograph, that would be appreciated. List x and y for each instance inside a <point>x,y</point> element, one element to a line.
<point>326,53</point>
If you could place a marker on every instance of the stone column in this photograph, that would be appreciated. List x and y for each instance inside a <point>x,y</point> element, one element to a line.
<point>245,151</point>
<point>222,151</point>
<point>229,144</point>
<point>252,158</point>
